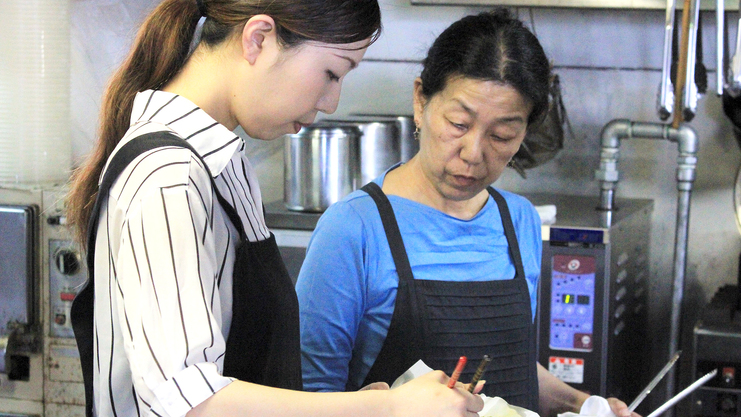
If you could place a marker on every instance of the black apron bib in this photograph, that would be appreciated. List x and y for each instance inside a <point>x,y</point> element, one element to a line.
<point>439,321</point>
<point>263,345</point>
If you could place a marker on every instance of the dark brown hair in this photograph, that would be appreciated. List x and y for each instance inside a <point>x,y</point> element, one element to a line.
<point>161,50</point>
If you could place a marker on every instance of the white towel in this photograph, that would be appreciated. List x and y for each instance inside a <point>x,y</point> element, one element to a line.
<point>547,214</point>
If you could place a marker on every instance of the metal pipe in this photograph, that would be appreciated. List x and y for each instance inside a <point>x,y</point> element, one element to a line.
<point>688,143</point>
<point>608,175</point>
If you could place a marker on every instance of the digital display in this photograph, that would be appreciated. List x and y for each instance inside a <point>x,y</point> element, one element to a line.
<point>572,298</point>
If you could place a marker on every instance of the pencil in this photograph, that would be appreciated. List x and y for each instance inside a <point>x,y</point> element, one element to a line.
<point>480,371</point>
<point>457,372</point>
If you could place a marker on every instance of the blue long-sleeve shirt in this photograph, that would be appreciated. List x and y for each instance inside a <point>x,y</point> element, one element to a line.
<point>348,281</point>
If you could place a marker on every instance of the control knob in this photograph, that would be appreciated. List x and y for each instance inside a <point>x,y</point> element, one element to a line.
<point>67,261</point>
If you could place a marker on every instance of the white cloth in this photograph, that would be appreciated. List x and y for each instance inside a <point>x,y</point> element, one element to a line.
<point>547,214</point>
<point>594,406</point>
<point>164,257</point>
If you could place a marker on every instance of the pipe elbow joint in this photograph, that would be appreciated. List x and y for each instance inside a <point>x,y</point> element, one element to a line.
<point>614,131</point>
<point>687,140</point>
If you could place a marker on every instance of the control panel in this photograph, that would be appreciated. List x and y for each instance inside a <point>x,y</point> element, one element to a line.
<point>66,277</point>
<point>572,302</point>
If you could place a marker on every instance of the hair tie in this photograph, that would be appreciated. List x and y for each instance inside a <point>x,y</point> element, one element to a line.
<point>201,7</point>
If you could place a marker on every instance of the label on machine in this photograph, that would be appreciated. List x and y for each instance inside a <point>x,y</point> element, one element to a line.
<point>569,370</point>
<point>572,303</point>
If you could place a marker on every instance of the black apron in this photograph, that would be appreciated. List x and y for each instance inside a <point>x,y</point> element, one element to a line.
<point>263,345</point>
<point>440,321</point>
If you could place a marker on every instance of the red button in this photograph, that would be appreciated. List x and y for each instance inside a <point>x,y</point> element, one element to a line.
<point>67,296</point>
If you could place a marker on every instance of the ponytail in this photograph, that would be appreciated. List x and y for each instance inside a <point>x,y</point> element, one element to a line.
<point>159,52</point>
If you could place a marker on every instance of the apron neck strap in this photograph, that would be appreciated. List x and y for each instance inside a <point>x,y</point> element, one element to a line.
<point>393,235</point>
<point>509,231</point>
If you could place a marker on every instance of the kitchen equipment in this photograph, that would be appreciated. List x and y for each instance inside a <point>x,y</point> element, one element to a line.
<point>682,64</point>
<point>720,38</point>
<point>322,165</point>
<point>696,82</point>
<point>380,145</point>
<point>42,375</point>
<point>732,90</point>
<point>593,296</point>
<point>409,144</point>
<point>651,385</point>
<point>666,89</point>
<point>694,68</point>
<point>717,346</point>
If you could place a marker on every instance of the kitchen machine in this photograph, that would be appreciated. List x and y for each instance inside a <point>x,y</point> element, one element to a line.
<point>40,271</point>
<point>593,295</point>
<point>717,345</point>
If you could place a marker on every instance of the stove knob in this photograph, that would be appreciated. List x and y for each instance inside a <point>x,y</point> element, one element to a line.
<point>68,262</point>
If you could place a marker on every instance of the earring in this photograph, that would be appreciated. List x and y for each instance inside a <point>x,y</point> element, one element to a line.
<point>416,133</point>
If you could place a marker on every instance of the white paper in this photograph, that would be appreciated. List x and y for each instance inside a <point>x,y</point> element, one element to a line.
<point>418,369</point>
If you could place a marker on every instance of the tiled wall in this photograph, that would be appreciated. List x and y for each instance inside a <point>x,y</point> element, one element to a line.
<point>609,63</point>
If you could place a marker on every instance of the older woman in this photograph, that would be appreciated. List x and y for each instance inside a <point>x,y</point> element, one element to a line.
<point>428,261</point>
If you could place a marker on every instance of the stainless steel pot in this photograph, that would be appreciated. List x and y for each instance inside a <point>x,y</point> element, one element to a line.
<point>380,147</point>
<point>408,145</point>
<point>322,165</point>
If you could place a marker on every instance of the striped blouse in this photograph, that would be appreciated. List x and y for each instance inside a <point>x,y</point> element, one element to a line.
<point>164,258</point>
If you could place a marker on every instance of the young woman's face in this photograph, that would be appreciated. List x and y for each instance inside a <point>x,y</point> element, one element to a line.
<point>468,133</point>
<point>299,83</point>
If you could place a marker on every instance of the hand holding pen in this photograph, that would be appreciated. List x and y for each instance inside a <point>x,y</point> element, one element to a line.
<point>476,376</point>
<point>479,371</point>
<point>457,372</point>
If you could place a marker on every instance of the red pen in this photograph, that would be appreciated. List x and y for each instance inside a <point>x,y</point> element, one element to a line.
<point>457,372</point>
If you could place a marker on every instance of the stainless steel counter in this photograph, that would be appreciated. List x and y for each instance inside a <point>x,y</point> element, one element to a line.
<point>572,211</point>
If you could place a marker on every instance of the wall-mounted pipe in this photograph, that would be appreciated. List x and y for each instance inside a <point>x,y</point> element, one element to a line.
<point>688,143</point>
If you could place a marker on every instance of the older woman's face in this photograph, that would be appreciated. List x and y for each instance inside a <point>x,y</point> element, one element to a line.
<point>468,133</point>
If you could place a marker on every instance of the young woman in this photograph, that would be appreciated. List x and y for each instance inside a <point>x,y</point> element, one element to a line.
<point>189,309</point>
<point>428,261</point>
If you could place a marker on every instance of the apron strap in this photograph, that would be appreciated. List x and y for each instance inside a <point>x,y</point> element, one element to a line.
<point>82,311</point>
<point>396,243</point>
<point>509,231</point>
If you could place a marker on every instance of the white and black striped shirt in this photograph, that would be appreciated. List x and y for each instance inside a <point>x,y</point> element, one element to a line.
<point>164,257</point>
